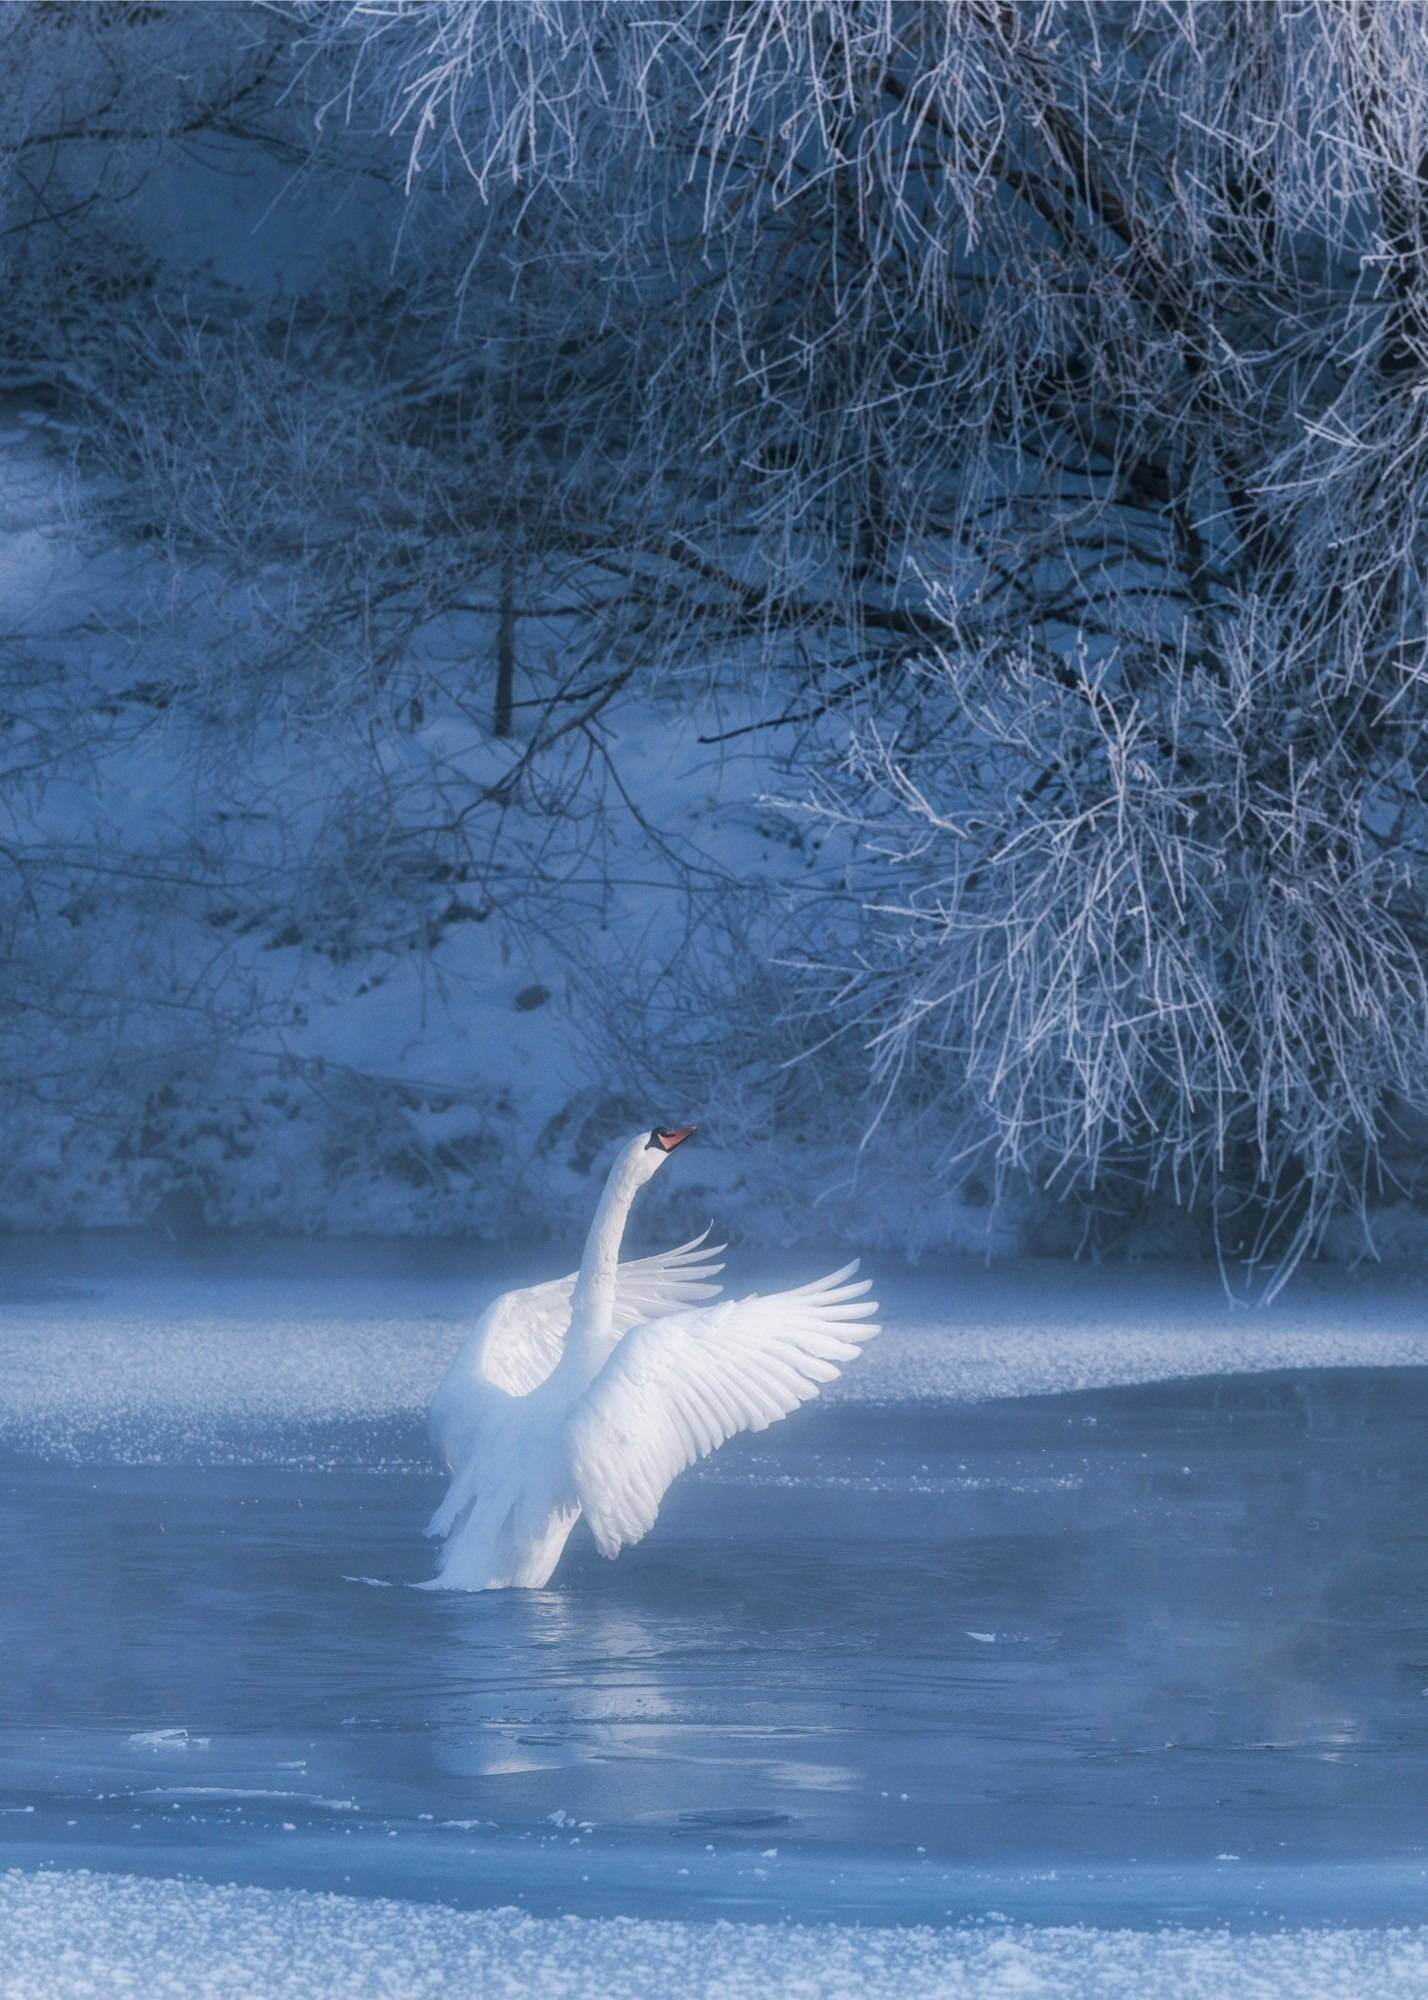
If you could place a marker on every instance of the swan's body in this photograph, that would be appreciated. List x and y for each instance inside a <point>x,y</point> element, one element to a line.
<point>592,1393</point>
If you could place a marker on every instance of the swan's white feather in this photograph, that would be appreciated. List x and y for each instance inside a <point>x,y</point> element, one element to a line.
<point>678,1387</point>
<point>517,1341</point>
<point>650,1287</point>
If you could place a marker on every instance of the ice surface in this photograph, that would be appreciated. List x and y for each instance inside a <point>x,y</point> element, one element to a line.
<point>78,1936</point>
<point>1141,1653</point>
<point>138,1356</point>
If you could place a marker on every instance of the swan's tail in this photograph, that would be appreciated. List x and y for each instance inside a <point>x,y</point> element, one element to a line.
<point>497,1541</point>
<point>460,1497</point>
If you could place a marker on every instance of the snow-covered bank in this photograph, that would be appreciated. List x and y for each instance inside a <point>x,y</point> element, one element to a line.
<point>256,1018</point>
<point>73,1936</point>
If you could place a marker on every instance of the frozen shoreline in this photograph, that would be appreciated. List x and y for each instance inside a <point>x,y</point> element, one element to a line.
<point>144,1357</point>
<point>77,1935</point>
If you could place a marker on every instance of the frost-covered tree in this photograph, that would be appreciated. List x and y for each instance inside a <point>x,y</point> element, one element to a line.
<point>1035,394</point>
<point>1016,407</point>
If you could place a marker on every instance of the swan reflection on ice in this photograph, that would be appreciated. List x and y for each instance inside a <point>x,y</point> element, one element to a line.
<point>592,1393</point>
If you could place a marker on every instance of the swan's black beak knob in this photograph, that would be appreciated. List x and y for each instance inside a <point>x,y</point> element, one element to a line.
<point>665,1141</point>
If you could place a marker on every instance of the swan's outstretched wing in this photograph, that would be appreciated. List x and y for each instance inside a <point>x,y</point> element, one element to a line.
<point>676,1388</point>
<point>518,1339</point>
<point>511,1349</point>
<point>650,1287</point>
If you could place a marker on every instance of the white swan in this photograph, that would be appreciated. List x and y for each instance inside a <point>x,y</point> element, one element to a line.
<point>594,1392</point>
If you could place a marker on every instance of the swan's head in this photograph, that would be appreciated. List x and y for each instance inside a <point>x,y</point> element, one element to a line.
<point>642,1157</point>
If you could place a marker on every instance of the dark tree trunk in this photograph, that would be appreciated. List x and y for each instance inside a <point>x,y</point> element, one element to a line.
<point>506,649</point>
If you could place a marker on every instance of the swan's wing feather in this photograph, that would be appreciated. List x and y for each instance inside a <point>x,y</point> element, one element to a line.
<point>511,1349</point>
<point>518,1339</point>
<point>650,1287</point>
<point>676,1388</point>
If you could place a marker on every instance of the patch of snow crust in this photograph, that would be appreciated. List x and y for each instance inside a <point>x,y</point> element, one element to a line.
<point>150,1368</point>
<point>1040,1329</point>
<point>77,1936</point>
<point>167,1739</point>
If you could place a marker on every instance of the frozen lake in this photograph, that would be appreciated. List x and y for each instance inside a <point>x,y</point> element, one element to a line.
<point>964,1638</point>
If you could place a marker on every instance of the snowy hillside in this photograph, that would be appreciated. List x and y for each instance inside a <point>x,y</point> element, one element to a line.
<point>312,1008</point>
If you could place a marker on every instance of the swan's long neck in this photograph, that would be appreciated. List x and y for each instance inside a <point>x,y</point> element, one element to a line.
<point>592,1305</point>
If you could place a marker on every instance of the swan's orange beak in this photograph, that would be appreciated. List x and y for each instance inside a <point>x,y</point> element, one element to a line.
<point>668,1140</point>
